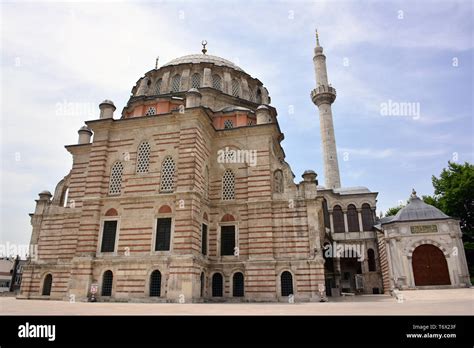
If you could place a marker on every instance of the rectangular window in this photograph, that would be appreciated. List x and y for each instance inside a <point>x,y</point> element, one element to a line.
<point>204,239</point>
<point>163,234</point>
<point>227,240</point>
<point>108,236</point>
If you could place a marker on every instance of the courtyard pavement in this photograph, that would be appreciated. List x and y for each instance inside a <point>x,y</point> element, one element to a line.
<point>420,302</point>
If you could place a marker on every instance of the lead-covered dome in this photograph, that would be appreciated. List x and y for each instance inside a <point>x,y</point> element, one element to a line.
<point>203,58</point>
<point>417,209</point>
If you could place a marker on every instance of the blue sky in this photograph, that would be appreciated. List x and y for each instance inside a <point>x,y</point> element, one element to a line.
<point>55,55</point>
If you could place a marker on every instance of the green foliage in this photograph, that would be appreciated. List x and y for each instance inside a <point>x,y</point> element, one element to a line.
<point>454,194</point>
<point>393,211</point>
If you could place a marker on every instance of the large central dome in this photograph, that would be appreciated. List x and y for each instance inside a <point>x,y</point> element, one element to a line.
<point>203,58</point>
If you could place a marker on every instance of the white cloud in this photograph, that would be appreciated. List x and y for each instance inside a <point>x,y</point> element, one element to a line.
<point>366,152</point>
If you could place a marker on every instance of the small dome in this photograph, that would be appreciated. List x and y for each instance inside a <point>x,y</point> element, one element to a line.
<point>45,192</point>
<point>107,101</point>
<point>262,107</point>
<point>85,129</point>
<point>416,209</point>
<point>309,171</point>
<point>194,90</point>
<point>203,58</point>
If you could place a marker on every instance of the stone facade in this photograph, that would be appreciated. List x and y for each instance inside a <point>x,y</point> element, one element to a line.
<point>422,230</point>
<point>188,197</point>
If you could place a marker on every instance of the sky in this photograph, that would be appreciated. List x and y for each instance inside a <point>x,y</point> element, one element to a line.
<point>59,60</point>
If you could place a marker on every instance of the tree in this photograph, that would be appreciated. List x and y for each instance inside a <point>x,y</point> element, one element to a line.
<point>454,194</point>
<point>393,211</point>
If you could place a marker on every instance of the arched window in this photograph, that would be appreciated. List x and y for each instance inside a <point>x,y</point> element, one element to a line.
<point>238,285</point>
<point>278,181</point>
<point>143,157</point>
<point>196,81</point>
<point>151,111</point>
<point>367,217</point>
<point>352,218</point>
<point>47,284</point>
<point>338,219</point>
<point>167,175</point>
<point>107,281</point>
<point>228,124</point>
<point>251,94</point>
<point>371,260</point>
<point>217,82</point>
<point>115,184</point>
<point>235,88</point>
<point>176,83</point>
<point>286,280</point>
<point>217,285</point>
<point>203,284</point>
<point>228,185</point>
<point>158,86</point>
<point>155,284</point>
<point>258,96</point>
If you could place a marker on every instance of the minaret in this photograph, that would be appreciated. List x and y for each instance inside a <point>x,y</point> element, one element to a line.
<point>323,96</point>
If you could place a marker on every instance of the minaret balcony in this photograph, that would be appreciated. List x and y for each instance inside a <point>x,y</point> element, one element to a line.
<point>323,95</point>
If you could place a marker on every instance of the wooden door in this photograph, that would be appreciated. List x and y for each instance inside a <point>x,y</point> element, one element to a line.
<point>430,266</point>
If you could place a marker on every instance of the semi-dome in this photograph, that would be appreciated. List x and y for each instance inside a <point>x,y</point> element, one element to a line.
<point>203,58</point>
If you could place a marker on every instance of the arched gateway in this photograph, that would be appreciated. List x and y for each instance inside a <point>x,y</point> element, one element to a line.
<point>430,266</point>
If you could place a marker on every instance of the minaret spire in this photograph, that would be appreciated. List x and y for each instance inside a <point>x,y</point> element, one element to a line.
<point>323,96</point>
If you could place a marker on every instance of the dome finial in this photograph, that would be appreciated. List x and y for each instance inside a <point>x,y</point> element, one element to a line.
<point>317,38</point>
<point>156,62</point>
<point>204,43</point>
<point>413,193</point>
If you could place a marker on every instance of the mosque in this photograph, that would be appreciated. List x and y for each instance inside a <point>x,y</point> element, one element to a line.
<point>187,197</point>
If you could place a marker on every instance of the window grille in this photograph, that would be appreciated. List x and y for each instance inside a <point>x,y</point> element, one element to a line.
<point>286,284</point>
<point>228,124</point>
<point>228,185</point>
<point>115,186</point>
<point>235,88</point>
<point>107,281</point>
<point>155,284</point>
<point>217,82</point>
<point>176,83</point>
<point>143,157</point>
<point>196,81</point>
<point>151,111</point>
<point>167,175</point>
